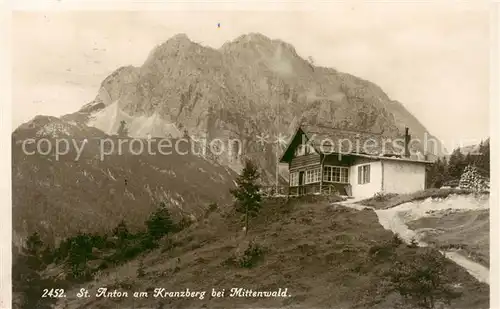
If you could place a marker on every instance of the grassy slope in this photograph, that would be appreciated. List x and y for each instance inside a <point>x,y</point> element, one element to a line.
<point>465,230</point>
<point>393,200</point>
<point>318,251</point>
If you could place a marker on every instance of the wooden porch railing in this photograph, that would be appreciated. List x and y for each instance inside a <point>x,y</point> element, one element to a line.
<point>326,189</point>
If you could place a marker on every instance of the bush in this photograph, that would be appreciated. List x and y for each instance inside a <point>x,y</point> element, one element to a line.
<point>121,231</point>
<point>251,256</point>
<point>386,250</point>
<point>184,223</point>
<point>396,240</point>
<point>148,242</point>
<point>160,222</point>
<point>213,207</point>
<point>140,270</point>
<point>36,252</point>
<point>34,244</point>
<point>413,243</point>
<point>381,196</point>
<point>421,281</point>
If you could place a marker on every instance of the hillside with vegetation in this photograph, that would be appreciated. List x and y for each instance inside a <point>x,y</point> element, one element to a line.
<point>324,255</point>
<point>321,252</point>
<point>94,190</point>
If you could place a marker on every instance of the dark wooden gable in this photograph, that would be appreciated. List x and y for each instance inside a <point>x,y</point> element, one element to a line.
<point>294,143</point>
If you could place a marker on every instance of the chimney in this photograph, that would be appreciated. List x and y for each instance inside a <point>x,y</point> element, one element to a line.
<point>407,143</point>
<point>357,144</point>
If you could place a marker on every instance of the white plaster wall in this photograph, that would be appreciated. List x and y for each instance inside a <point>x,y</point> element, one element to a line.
<point>403,177</point>
<point>367,189</point>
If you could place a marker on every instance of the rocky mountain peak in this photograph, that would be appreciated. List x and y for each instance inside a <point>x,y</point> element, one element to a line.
<point>258,41</point>
<point>179,37</point>
<point>240,91</point>
<point>178,46</point>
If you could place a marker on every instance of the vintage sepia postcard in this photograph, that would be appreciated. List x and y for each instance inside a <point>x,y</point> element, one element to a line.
<point>250,155</point>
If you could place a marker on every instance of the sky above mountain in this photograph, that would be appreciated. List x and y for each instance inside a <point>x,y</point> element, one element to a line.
<point>432,58</point>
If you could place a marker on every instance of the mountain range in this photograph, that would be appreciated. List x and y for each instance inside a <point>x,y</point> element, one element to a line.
<point>250,87</point>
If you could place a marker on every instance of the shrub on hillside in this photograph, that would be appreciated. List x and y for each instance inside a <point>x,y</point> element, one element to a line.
<point>251,256</point>
<point>34,244</point>
<point>160,223</point>
<point>184,223</point>
<point>397,240</point>
<point>121,231</point>
<point>80,252</point>
<point>382,196</point>
<point>140,270</point>
<point>35,251</point>
<point>211,208</point>
<point>413,243</point>
<point>421,280</point>
<point>386,249</point>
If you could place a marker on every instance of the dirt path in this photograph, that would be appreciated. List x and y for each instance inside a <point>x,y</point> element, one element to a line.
<point>395,219</point>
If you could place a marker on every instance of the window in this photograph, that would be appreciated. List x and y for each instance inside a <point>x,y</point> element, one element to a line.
<point>364,174</point>
<point>310,149</point>
<point>336,174</point>
<point>300,150</point>
<point>304,149</point>
<point>313,175</point>
<point>294,179</point>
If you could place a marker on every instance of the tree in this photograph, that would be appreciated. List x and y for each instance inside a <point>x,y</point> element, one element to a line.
<point>121,230</point>
<point>122,130</point>
<point>483,159</point>
<point>34,244</point>
<point>160,223</point>
<point>436,173</point>
<point>80,252</point>
<point>422,281</point>
<point>33,251</point>
<point>247,193</point>
<point>456,165</point>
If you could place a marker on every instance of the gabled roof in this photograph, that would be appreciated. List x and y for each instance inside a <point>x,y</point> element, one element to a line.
<point>329,140</point>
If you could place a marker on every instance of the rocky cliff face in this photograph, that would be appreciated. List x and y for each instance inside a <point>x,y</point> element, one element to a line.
<point>249,87</point>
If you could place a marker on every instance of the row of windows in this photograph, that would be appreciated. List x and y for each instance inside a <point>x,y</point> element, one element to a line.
<point>313,175</point>
<point>336,174</point>
<point>331,174</point>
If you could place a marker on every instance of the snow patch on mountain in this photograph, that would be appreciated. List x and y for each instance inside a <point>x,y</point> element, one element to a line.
<point>54,129</point>
<point>280,64</point>
<point>109,118</point>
